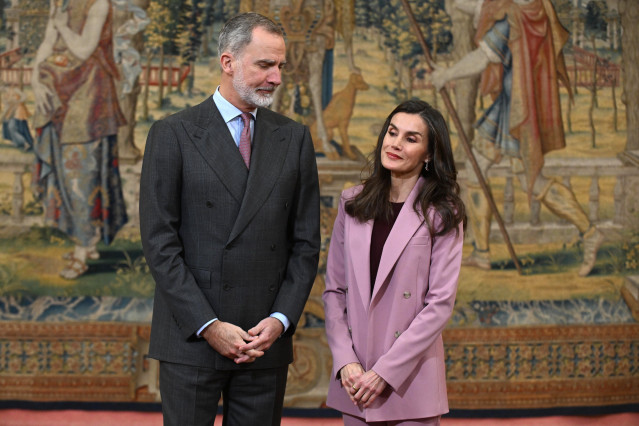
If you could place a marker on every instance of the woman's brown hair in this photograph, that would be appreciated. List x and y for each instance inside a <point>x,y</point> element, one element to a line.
<point>440,191</point>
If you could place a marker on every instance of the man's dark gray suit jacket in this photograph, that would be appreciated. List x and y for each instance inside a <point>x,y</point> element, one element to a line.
<point>223,242</point>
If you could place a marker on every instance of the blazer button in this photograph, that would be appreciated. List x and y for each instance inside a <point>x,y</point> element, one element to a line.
<point>273,246</point>
<point>209,204</point>
<point>226,287</point>
<point>286,205</point>
<point>397,333</point>
<point>407,295</point>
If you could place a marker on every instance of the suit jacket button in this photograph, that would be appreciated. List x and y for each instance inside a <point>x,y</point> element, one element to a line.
<point>209,204</point>
<point>407,295</point>
<point>226,287</point>
<point>273,246</point>
<point>397,333</point>
<point>286,205</point>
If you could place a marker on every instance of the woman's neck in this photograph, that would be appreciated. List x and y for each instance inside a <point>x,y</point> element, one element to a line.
<point>401,188</point>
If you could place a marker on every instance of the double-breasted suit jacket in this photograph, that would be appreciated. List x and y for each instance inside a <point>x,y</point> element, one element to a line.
<point>222,241</point>
<point>395,329</point>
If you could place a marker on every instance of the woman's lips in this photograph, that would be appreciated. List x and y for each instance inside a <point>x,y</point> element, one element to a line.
<point>393,156</point>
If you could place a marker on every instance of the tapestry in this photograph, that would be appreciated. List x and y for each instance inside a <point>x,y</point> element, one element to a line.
<point>546,148</point>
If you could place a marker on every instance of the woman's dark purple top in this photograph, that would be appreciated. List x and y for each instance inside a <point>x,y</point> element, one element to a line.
<point>381,229</point>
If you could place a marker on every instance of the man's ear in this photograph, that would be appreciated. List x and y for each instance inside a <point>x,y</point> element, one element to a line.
<point>226,61</point>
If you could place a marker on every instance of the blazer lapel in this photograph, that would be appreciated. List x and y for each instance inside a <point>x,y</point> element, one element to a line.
<point>270,145</point>
<point>359,243</point>
<point>210,135</point>
<point>403,230</point>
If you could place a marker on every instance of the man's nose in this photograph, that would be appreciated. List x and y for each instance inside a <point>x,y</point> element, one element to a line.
<point>275,76</point>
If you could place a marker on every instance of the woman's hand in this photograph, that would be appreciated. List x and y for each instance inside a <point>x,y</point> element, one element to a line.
<point>349,375</point>
<point>368,387</point>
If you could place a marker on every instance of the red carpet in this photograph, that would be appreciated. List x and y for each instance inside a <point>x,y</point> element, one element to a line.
<point>123,418</point>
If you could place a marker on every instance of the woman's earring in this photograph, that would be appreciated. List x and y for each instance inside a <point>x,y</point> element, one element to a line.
<point>426,166</point>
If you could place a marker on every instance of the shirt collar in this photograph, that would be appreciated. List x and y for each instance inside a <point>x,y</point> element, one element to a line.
<point>228,111</point>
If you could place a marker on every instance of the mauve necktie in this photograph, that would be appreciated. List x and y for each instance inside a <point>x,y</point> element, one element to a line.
<point>245,139</point>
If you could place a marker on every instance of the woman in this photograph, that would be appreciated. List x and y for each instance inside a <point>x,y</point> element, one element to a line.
<point>76,118</point>
<point>392,273</point>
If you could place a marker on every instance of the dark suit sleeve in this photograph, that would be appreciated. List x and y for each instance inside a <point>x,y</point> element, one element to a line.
<point>160,217</point>
<point>304,236</point>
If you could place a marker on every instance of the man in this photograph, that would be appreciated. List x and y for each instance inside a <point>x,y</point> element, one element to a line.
<point>519,53</point>
<point>76,118</point>
<point>232,241</point>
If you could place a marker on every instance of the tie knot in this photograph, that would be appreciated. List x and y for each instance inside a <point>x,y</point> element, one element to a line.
<point>246,118</point>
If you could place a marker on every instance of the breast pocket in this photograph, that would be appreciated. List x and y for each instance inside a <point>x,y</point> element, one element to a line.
<point>419,241</point>
<point>416,255</point>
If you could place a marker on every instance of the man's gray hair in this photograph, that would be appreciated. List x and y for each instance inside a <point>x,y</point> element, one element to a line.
<point>236,33</point>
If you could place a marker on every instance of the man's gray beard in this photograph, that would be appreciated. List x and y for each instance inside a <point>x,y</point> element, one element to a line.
<point>249,94</point>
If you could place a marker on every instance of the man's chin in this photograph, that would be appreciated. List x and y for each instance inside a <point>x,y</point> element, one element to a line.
<point>256,99</point>
<point>263,100</point>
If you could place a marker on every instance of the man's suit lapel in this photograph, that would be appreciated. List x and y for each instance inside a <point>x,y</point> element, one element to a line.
<point>209,133</point>
<point>406,224</point>
<point>269,149</point>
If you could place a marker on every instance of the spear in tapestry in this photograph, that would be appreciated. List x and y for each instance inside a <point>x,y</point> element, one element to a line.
<point>463,138</point>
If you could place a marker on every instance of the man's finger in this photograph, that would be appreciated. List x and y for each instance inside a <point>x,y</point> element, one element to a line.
<point>244,335</point>
<point>244,359</point>
<point>249,356</point>
<point>255,353</point>
<point>255,331</point>
<point>253,345</point>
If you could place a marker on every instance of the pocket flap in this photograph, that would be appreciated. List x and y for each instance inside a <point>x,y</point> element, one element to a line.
<point>202,277</point>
